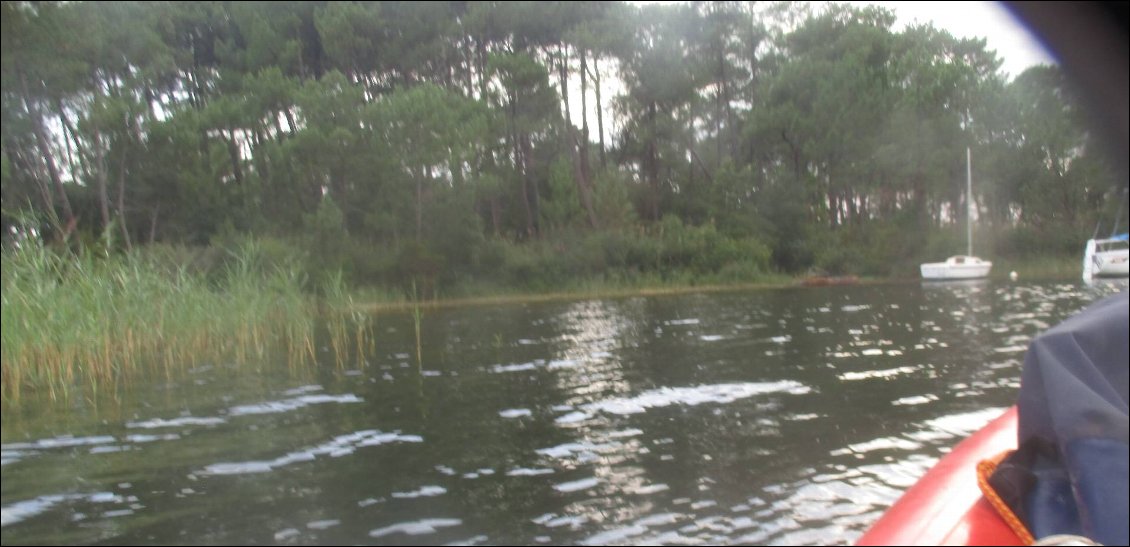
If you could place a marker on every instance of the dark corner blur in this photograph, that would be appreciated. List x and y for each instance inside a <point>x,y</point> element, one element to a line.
<point>1090,41</point>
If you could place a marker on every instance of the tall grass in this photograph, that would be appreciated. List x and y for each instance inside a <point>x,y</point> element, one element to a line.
<point>84,322</point>
<point>349,327</point>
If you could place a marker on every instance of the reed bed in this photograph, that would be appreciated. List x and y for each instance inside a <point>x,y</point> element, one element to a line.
<point>348,327</point>
<point>83,322</point>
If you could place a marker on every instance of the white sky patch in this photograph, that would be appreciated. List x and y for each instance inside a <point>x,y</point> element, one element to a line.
<point>1012,41</point>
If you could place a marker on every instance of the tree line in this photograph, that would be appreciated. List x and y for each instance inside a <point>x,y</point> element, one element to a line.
<point>435,141</point>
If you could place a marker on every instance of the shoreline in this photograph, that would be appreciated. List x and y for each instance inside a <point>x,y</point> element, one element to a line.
<point>373,305</point>
<point>617,293</point>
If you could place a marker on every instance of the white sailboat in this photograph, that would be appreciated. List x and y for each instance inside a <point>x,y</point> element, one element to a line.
<point>964,266</point>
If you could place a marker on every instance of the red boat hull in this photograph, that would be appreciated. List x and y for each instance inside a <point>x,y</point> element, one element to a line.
<point>946,507</point>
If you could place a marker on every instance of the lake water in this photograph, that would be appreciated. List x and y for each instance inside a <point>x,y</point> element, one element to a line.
<point>789,416</point>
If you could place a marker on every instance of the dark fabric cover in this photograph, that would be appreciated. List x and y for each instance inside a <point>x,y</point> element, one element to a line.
<point>1070,473</point>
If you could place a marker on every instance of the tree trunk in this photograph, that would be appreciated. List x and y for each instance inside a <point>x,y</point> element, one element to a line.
<point>584,181</point>
<point>651,163</point>
<point>727,109</point>
<point>278,127</point>
<point>698,160</point>
<point>420,205</point>
<point>584,184</point>
<point>290,121</point>
<point>122,199</point>
<point>45,152</point>
<point>718,109</point>
<point>585,171</point>
<point>101,180</point>
<point>482,54</point>
<point>535,199</point>
<point>34,164</point>
<point>599,113</point>
<point>563,72</point>
<point>796,156</point>
<point>69,138</point>
<point>520,164</point>
<point>495,215</point>
<point>258,157</point>
<point>233,153</point>
<point>469,62</point>
<point>153,224</point>
<point>150,102</point>
<point>197,98</point>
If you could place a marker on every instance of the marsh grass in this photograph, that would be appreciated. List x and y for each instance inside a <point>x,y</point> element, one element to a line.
<point>77,322</point>
<point>349,328</point>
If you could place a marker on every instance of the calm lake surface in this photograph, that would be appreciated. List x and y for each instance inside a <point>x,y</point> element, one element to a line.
<point>789,416</point>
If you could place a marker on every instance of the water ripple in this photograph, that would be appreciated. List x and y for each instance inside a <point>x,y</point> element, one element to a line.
<point>287,405</point>
<point>156,423</point>
<point>690,396</point>
<point>416,528</point>
<point>23,510</point>
<point>573,486</point>
<point>422,492</point>
<point>339,446</point>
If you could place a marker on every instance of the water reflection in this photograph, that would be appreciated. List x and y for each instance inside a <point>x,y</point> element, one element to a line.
<point>584,352</point>
<point>790,416</point>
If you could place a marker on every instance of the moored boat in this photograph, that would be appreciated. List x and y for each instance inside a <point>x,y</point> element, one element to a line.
<point>956,267</point>
<point>964,266</point>
<point>1107,257</point>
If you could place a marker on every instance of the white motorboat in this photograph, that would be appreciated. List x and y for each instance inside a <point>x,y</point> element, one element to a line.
<point>1107,257</point>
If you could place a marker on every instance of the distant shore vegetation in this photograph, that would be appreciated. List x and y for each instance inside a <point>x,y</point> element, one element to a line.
<point>422,150</point>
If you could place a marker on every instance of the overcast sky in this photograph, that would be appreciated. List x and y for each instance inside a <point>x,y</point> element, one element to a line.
<point>989,20</point>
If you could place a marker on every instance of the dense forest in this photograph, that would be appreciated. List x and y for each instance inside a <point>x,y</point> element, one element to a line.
<point>534,144</point>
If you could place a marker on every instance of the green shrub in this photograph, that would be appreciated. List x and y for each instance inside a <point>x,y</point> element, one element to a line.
<point>1026,241</point>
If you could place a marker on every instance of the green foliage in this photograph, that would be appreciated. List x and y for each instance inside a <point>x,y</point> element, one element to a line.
<point>1030,242</point>
<point>440,142</point>
<point>325,242</point>
<point>703,251</point>
<point>455,233</point>
<point>419,267</point>
<point>875,249</point>
<point>568,259</point>
<point>561,208</point>
<point>612,200</point>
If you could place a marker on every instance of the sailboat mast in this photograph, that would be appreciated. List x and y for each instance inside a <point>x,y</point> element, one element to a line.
<point>968,202</point>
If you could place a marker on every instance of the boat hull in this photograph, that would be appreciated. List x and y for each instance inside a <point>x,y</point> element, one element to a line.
<point>946,506</point>
<point>1106,258</point>
<point>946,270</point>
<point>1112,264</point>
